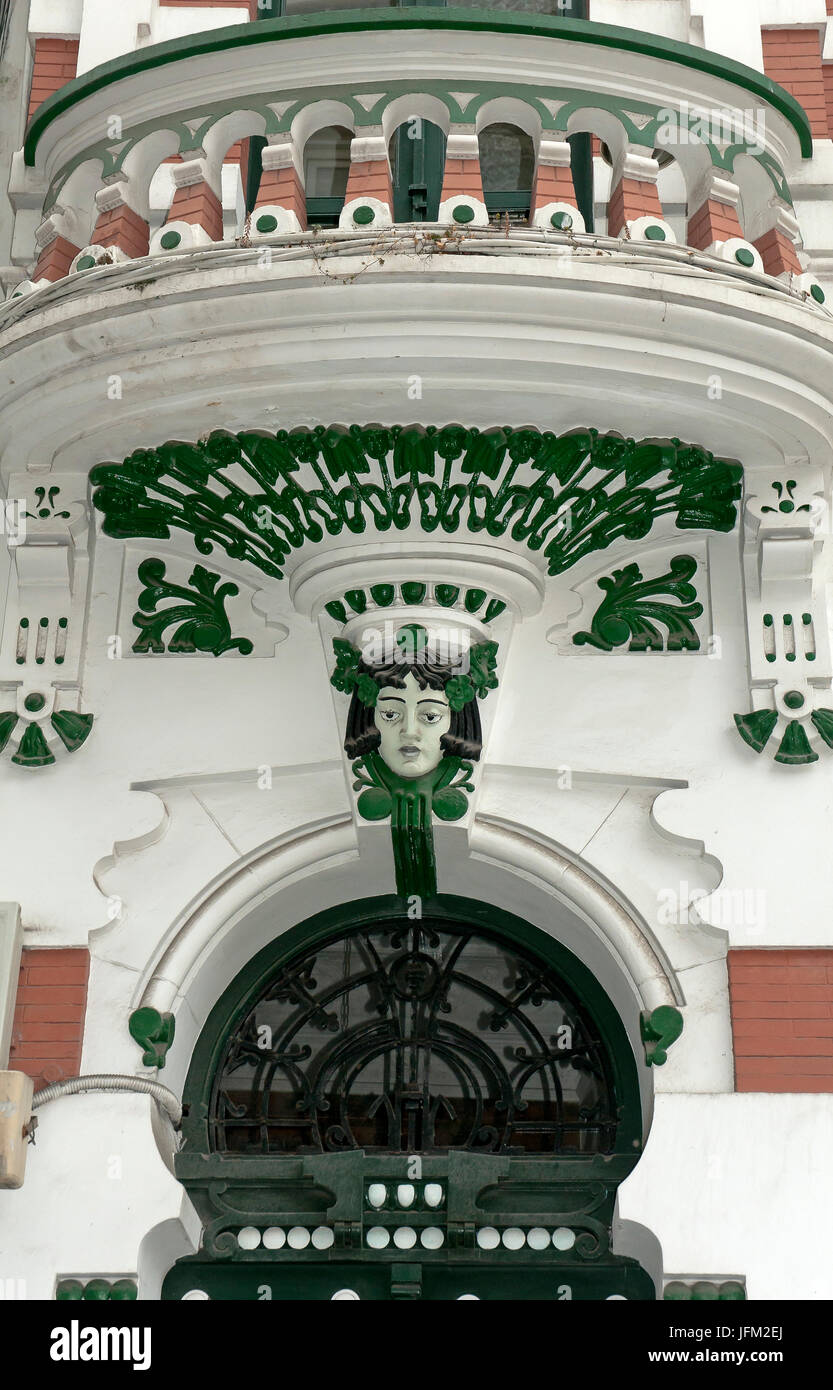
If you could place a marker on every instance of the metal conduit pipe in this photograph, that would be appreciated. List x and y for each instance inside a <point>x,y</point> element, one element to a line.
<point>76,1085</point>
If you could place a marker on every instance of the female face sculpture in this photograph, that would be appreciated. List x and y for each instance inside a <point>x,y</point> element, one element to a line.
<point>411,722</point>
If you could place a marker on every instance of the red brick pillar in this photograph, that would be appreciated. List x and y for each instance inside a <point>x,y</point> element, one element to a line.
<point>196,198</point>
<point>461,174</point>
<point>553,181</point>
<point>118,223</point>
<point>780,244</point>
<point>369,175</point>
<point>48,1029</point>
<point>282,182</point>
<point>713,212</point>
<point>58,240</point>
<point>55,63</point>
<point>633,192</point>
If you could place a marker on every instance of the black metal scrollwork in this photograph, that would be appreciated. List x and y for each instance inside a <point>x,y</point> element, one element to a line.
<point>417,1039</point>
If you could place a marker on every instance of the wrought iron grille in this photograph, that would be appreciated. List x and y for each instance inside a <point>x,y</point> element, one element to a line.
<point>414,1038</point>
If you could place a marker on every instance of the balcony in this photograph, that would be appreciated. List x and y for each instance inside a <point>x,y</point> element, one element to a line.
<point>215,298</point>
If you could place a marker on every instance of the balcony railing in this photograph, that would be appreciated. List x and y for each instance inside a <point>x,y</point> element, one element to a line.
<point>696,146</point>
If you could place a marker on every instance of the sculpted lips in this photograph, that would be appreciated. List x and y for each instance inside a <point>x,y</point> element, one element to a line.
<point>409,752</point>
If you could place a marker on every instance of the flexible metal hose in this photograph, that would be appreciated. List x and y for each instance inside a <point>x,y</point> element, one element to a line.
<point>76,1085</point>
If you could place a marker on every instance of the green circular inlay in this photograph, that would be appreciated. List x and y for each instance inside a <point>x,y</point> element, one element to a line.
<point>86,263</point>
<point>818,293</point>
<point>810,656</point>
<point>24,622</point>
<point>44,622</point>
<point>39,660</point>
<point>655,233</point>
<point>786,506</point>
<point>362,216</point>
<point>788,620</point>
<point>34,702</point>
<point>562,221</point>
<point>806,618</point>
<point>169,240</point>
<point>770,656</point>
<point>463,214</point>
<point>21,661</point>
<point>744,256</point>
<point>791,656</point>
<point>266,223</point>
<point>793,699</point>
<point>62,622</point>
<point>767,620</point>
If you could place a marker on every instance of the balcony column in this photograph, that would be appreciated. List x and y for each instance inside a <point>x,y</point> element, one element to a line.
<point>119,224</point>
<point>461,197</point>
<point>633,192</point>
<point>280,196</point>
<point>553,181</point>
<point>715,217</point>
<point>369,177</point>
<point>197,198</point>
<point>775,233</point>
<point>58,240</point>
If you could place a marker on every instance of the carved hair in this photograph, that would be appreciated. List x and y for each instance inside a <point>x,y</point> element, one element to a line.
<point>464,738</point>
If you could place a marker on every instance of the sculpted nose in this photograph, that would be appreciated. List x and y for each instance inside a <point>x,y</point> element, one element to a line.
<point>410,726</point>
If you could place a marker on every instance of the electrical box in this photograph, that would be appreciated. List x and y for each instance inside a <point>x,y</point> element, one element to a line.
<point>15,1113</point>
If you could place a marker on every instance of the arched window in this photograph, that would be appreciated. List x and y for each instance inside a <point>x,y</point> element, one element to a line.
<point>417,158</point>
<point>459,1088</point>
<point>326,170</point>
<point>507,166</point>
<point>414,1038</point>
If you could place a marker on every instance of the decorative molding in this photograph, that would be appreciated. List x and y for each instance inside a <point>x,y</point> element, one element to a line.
<point>154,1032</point>
<point>790,663</point>
<point>631,610</point>
<point>444,594</point>
<point>659,1029</point>
<point>589,489</point>
<point>33,749</point>
<point>202,624</point>
<point>683,1290</point>
<point>97,1290</point>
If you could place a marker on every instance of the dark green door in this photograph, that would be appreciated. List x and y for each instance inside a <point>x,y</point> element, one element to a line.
<point>417,155</point>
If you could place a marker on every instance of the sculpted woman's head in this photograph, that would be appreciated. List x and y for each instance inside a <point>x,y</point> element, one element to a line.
<point>412,723</point>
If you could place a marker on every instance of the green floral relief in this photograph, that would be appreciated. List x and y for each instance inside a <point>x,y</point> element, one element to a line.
<point>587,489</point>
<point>794,747</point>
<point>154,1032</point>
<point>200,616</point>
<point>660,1028</point>
<point>633,607</point>
<point>73,730</point>
<point>444,594</point>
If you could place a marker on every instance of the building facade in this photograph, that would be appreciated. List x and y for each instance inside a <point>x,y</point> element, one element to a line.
<point>417,692</point>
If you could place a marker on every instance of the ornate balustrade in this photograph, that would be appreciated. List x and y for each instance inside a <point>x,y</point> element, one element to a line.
<point>87,183</point>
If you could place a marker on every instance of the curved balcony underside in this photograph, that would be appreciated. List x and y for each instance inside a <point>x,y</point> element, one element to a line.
<point>650,342</point>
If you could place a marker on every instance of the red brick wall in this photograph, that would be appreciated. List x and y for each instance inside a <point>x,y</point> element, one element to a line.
<point>782,1019</point>
<point>827,77</point>
<point>49,1014</point>
<point>56,62</point>
<point>793,58</point>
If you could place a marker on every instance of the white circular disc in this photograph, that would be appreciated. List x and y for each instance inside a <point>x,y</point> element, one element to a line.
<point>432,1238</point>
<point>376,1194</point>
<point>433,1194</point>
<point>563,1238</point>
<point>538,1238</point>
<point>193,1294</point>
<point>298,1238</point>
<point>514,1238</point>
<point>248,1238</point>
<point>404,1238</point>
<point>343,1295</point>
<point>323,1237</point>
<point>378,1237</point>
<point>405,1194</point>
<point>488,1239</point>
<point>274,1238</point>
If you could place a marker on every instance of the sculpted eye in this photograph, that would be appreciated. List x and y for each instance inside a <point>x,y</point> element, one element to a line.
<point>431,717</point>
<point>390,716</point>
